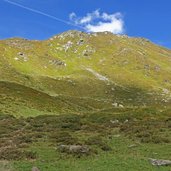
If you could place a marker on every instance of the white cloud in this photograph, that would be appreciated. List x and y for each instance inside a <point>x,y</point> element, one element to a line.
<point>72,16</point>
<point>100,22</point>
<point>89,17</point>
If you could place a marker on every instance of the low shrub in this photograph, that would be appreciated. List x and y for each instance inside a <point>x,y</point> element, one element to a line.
<point>98,141</point>
<point>16,154</point>
<point>63,137</point>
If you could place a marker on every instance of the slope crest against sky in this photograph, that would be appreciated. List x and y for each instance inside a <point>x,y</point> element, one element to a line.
<point>149,19</point>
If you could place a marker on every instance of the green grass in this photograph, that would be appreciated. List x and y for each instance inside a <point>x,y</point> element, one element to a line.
<point>122,158</point>
<point>138,72</point>
<point>50,96</point>
<point>123,60</point>
<point>123,145</point>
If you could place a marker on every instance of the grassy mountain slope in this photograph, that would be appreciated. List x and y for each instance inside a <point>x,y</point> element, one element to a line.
<point>109,95</point>
<point>85,71</point>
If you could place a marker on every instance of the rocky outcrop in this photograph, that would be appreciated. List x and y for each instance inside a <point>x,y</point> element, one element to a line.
<point>156,162</point>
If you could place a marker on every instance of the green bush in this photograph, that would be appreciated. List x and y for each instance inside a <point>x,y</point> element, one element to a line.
<point>98,141</point>
<point>63,137</point>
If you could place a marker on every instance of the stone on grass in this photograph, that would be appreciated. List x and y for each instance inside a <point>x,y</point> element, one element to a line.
<point>74,148</point>
<point>159,162</point>
<point>35,169</point>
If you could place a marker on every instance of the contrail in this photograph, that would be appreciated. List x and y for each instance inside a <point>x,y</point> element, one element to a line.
<point>44,14</point>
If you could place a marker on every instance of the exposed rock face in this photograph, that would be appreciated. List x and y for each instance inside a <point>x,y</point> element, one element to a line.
<point>80,42</point>
<point>21,56</point>
<point>67,46</point>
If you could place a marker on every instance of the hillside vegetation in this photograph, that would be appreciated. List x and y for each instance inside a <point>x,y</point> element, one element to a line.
<point>78,98</point>
<point>76,72</point>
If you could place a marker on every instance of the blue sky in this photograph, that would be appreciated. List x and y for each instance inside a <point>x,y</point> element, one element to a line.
<point>143,18</point>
